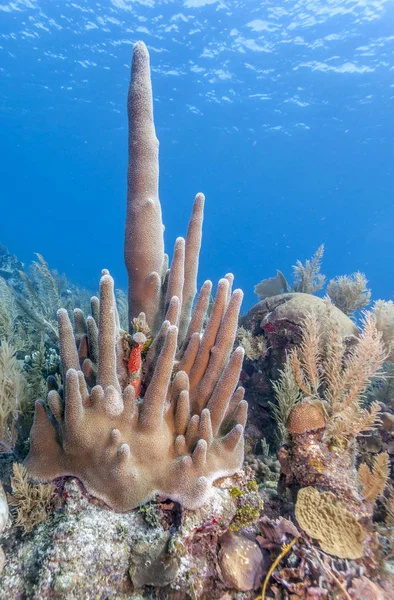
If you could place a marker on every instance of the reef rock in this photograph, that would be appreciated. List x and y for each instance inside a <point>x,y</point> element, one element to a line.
<point>3,509</point>
<point>291,309</point>
<point>3,521</point>
<point>151,563</point>
<point>10,268</point>
<point>85,551</point>
<point>241,562</point>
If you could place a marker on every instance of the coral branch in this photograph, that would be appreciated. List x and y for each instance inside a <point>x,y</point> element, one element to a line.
<point>144,244</point>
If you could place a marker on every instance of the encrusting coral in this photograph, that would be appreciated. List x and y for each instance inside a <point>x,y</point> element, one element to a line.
<point>323,517</point>
<point>133,422</point>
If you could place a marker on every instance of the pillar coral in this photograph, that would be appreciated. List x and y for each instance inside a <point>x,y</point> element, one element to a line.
<point>172,424</point>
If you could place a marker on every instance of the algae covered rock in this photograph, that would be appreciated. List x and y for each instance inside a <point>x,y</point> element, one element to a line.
<point>240,561</point>
<point>3,521</point>
<point>85,551</point>
<point>151,562</point>
<point>291,309</point>
<point>82,551</point>
<point>3,509</point>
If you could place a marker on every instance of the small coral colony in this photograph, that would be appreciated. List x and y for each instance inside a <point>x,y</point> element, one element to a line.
<point>143,400</point>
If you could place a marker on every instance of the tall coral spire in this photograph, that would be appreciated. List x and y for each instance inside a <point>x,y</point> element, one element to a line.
<point>144,243</point>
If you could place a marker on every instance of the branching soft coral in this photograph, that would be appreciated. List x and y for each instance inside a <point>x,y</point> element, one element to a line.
<point>383,312</point>
<point>13,395</point>
<point>29,503</point>
<point>332,375</point>
<point>374,480</point>
<point>326,371</point>
<point>349,292</point>
<point>307,277</point>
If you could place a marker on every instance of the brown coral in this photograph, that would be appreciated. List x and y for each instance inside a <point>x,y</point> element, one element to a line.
<point>323,517</point>
<point>306,417</point>
<point>173,424</point>
<point>185,432</point>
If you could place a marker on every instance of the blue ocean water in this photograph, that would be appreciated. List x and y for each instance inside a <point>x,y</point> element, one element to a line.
<point>281,112</point>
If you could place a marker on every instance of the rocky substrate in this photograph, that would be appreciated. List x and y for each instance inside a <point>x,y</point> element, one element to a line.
<point>87,552</point>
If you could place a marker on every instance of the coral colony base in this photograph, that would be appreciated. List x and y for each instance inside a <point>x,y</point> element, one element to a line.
<point>135,484</point>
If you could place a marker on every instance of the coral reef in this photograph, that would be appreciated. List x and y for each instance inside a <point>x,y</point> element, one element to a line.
<point>348,292</point>
<point>10,268</point>
<point>29,345</point>
<point>181,553</point>
<point>374,480</point>
<point>29,299</point>
<point>135,484</point>
<point>307,279</point>
<point>145,405</point>
<point>125,451</point>
<point>279,322</point>
<point>327,372</point>
<point>384,316</point>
